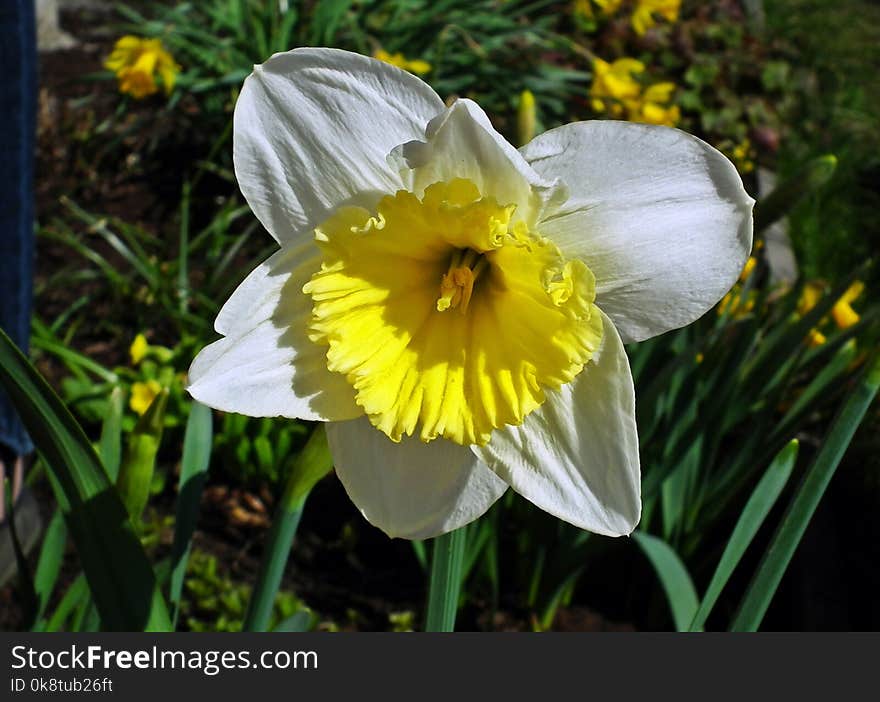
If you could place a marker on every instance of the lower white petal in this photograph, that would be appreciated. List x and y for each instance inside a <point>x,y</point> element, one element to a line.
<point>577,456</point>
<point>411,489</point>
<point>266,365</point>
<point>659,216</point>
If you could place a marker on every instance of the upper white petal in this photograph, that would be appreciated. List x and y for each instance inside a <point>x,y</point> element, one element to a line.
<point>266,365</point>
<point>411,489</point>
<point>462,143</point>
<point>313,128</point>
<point>577,456</point>
<point>660,217</point>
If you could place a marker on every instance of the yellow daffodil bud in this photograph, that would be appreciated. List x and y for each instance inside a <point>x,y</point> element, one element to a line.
<point>526,117</point>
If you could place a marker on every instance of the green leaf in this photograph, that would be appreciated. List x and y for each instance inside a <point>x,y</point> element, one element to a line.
<point>303,620</point>
<point>763,498</point>
<point>819,386</point>
<point>794,523</point>
<point>193,472</point>
<point>74,597</point>
<point>119,574</point>
<point>312,464</point>
<point>421,553</point>
<point>110,445</point>
<point>447,559</point>
<point>677,584</point>
<point>49,563</point>
<point>326,18</point>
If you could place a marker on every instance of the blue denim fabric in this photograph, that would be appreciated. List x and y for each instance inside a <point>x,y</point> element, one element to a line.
<point>18,93</point>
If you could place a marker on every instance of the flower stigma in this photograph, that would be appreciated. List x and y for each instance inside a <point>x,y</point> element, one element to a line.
<point>446,314</point>
<point>457,285</point>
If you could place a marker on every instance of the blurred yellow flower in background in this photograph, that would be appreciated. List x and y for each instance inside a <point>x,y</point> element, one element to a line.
<point>137,62</point>
<point>736,305</point>
<point>615,90</point>
<point>653,106</point>
<point>843,314</point>
<point>584,8</point>
<point>614,84</point>
<point>733,302</point>
<point>742,156</point>
<point>138,349</point>
<point>608,7</point>
<point>643,17</point>
<point>416,66</point>
<point>810,296</point>
<point>143,394</point>
<point>747,269</point>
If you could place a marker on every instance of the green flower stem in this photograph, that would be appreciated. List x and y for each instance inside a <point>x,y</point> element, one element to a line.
<point>443,591</point>
<point>795,521</point>
<point>312,464</point>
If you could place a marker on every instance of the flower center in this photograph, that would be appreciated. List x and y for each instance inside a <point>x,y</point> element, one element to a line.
<point>524,319</point>
<point>457,284</point>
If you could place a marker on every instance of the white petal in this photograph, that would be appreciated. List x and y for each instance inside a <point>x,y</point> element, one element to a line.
<point>412,489</point>
<point>266,365</point>
<point>577,456</point>
<point>313,128</point>
<point>462,143</point>
<point>660,217</point>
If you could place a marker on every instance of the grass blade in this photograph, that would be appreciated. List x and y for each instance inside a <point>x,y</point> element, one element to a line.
<point>120,576</point>
<point>763,498</point>
<point>110,444</point>
<point>794,523</point>
<point>677,584</point>
<point>75,595</point>
<point>49,563</point>
<point>298,622</point>
<point>193,471</point>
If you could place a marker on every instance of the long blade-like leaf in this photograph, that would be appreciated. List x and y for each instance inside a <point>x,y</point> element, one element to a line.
<point>680,591</point>
<point>49,563</point>
<point>120,576</point>
<point>756,510</point>
<point>193,471</point>
<point>110,445</point>
<point>794,523</point>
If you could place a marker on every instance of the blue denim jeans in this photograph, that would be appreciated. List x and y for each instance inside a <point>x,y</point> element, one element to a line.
<point>18,91</point>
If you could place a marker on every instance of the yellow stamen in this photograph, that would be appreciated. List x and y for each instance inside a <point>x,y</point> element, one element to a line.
<point>457,284</point>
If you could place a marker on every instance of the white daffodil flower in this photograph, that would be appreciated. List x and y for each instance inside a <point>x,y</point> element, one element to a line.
<point>457,308</point>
